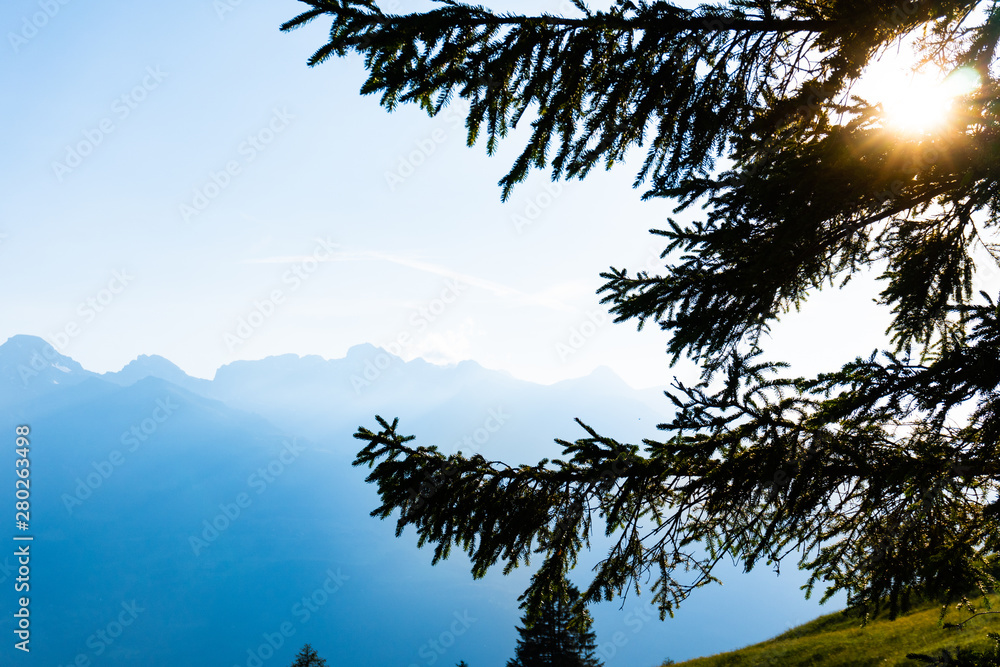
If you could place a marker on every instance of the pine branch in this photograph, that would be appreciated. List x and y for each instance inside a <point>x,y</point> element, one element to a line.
<point>599,82</point>
<point>885,500</point>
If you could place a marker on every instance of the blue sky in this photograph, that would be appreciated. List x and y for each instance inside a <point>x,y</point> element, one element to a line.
<point>176,178</point>
<point>176,181</point>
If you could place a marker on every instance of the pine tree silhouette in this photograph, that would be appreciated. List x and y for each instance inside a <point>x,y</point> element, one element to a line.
<point>551,638</point>
<point>307,657</point>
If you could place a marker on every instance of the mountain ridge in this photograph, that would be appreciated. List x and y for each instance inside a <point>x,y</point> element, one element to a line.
<point>231,498</point>
<point>27,349</point>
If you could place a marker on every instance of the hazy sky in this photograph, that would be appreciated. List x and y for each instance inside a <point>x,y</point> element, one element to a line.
<point>178,182</point>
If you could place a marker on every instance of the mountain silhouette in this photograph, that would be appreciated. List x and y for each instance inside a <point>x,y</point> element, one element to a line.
<point>210,513</point>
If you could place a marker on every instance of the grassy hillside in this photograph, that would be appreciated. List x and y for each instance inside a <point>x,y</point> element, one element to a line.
<point>839,640</point>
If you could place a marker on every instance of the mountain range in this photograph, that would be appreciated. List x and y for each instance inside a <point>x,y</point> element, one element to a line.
<point>179,520</point>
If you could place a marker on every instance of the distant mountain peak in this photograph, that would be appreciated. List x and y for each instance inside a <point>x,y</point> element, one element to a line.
<point>36,353</point>
<point>605,373</point>
<point>30,365</point>
<point>144,366</point>
<point>150,360</point>
<point>603,377</point>
<point>147,366</point>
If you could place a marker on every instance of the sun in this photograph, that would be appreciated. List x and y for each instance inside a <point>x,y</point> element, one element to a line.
<point>914,101</point>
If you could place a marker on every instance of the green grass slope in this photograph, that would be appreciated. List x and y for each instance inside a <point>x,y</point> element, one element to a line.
<point>839,640</point>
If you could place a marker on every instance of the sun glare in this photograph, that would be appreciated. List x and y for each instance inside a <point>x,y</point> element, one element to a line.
<point>914,101</point>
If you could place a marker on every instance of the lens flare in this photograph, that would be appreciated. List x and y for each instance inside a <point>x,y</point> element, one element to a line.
<point>918,101</point>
